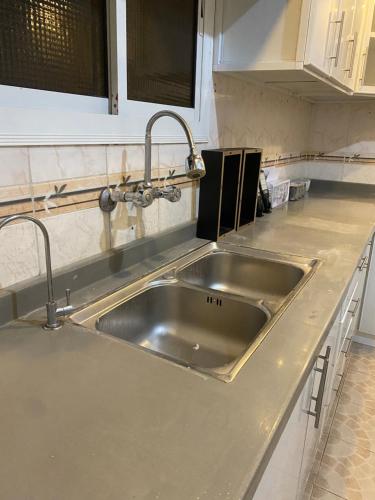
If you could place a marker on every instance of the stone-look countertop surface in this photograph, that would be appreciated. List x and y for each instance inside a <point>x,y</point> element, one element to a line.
<point>87,417</point>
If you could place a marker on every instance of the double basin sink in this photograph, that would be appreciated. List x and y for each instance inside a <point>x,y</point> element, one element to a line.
<point>208,310</point>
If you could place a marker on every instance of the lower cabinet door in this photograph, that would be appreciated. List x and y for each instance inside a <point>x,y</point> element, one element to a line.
<point>280,480</point>
<point>318,390</point>
<point>367,320</point>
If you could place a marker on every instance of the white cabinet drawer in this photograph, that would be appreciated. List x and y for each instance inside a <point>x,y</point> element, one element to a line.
<point>345,311</point>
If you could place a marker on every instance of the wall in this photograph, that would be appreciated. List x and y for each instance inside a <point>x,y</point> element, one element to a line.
<point>254,115</point>
<point>241,114</point>
<point>345,130</point>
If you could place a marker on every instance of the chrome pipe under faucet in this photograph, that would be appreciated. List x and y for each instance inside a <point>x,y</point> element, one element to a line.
<point>53,312</point>
<point>145,193</point>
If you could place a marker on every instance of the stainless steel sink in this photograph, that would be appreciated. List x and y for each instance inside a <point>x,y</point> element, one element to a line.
<point>244,275</point>
<point>208,310</point>
<point>185,324</point>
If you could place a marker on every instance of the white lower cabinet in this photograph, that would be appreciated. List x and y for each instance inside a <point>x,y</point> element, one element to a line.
<point>282,475</point>
<point>367,321</point>
<point>292,461</point>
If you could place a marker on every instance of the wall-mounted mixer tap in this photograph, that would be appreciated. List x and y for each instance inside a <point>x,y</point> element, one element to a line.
<point>145,192</point>
<point>53,312</point>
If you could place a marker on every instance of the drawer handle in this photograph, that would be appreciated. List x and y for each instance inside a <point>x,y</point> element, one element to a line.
<point>364,264</point>
<point>346,351</point>
<point>319,398</point>
<point>354,311</point>
<point>341,377</point>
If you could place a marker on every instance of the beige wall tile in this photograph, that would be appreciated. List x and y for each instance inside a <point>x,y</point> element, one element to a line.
<point>361,137</point>
<point>130,158</point>
<point>344,128</point>
<point>330,128</point>
<point>325,170</point>
<point>173,155</point>
<point>75,236</point>
<point>124,222</point>
<point>364,174</point>
<point>18,253</point>
<point>52,163</point>
<point>252,115</point>
<point>173,214</point>
<point>14,167</point>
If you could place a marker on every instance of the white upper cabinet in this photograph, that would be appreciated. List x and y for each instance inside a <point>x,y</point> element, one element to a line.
<point>313,47</point>
<point>257,34</point>
<point>322,37</point>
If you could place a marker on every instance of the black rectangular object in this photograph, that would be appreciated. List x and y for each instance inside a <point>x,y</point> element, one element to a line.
<point>218,193</point>
<point>249,186</point>
<point>55,45</point>
<point>161,51</point>
<point>228,192</point>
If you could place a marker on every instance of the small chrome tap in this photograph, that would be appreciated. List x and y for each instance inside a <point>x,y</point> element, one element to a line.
<point>53,312</point>
<point>145,193</point>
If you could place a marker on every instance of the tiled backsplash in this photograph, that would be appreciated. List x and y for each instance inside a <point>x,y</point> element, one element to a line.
<point>344,128</point>
<point>29,177</point>
<point>329,170</point>
<point>241,114</point>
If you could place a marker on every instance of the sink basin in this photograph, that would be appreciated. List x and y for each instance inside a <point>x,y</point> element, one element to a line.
<point>244,275</point>
<point>208,310</point>
<point>188,325</point>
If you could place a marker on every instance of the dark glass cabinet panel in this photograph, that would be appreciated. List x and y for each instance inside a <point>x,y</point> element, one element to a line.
<point>57,45</point>
<point>161,51</point>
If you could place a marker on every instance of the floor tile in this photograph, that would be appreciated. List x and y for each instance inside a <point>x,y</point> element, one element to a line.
<point>362,365</point>
<point>355,424</point>
<point>347,471</point>
<point>362,359</point>
<point>362,350</point>
<point>359,388</point>
<point>321,494</point>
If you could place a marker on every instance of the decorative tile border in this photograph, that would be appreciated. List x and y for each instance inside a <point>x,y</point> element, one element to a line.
<point>53,198</point>
<point>46,198</point>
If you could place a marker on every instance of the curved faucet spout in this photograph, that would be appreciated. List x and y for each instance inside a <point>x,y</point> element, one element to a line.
<point>192,161</point>
<point>47,248</point>
<point>52,310</point>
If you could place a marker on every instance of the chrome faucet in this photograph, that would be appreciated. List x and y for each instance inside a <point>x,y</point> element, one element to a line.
<point>53,312</point>
<point>145,193</point>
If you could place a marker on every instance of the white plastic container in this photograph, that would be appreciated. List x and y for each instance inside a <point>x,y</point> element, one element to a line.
<point>279,192</point>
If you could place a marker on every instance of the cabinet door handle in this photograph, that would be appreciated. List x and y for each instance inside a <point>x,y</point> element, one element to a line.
<point>364,264</point>
<point>339,38</point>
<point>319,398</point>
<point>354,311</point>
<point>354,42</point>
<point>364,56</point>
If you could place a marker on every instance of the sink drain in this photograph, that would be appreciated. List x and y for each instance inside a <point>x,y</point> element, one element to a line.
<point>214,300</point>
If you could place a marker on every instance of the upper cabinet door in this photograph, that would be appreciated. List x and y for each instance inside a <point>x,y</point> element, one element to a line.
<point>366,63</point>
<point>324,35</point>
<point>346,42</point>
<point>257,34</point>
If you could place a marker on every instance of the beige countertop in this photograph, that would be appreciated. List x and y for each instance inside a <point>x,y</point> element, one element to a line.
<point>83,416</point>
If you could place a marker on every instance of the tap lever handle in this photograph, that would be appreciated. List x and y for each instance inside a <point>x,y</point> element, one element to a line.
<point>67,294</point>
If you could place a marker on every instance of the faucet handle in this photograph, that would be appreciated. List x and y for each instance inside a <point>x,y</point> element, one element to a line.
<point>67,295</point>
<point>171,193</point>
